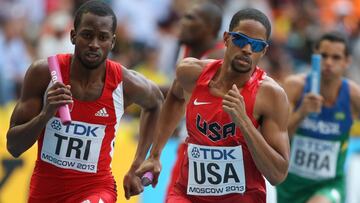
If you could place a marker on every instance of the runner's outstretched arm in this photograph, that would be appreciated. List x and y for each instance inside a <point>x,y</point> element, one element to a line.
<point>171,114</point>
<point>172,111</point>
<point>148,96</point>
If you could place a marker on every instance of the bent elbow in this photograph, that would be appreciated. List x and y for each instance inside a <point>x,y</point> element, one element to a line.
<point>160,99</point>
<point>280,171</point>
<point>158,103</point>
<point>14,153</point>
<point>276,181</point>
<point>278,178</point>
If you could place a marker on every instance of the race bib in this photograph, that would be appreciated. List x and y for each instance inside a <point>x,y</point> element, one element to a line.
<point>313,158</point>
<point>215,171</point>
<point>76,146</point>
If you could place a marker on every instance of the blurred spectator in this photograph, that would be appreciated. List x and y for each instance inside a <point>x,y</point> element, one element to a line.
<point>354,70</point>
<point>56,38</point>
<point>55,5</point>
<point>277,63</point>
<point>168,44</point>
<point>15,57</point>
<point>139,18</point>
<point>150,69</point>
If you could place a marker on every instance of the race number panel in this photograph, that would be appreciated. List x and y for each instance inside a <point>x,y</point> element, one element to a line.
<point>76,146</point>
<point>313,158</point>
<point>215,171</point>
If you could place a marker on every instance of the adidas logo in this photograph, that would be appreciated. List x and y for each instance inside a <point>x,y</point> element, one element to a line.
<point>102,113</point>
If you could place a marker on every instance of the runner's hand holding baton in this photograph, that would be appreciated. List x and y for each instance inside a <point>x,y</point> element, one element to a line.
<point>55,73</point>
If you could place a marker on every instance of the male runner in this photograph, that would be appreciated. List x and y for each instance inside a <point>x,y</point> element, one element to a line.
<point>73,163</point>
<point>236,119</point>
<point>319,127</point>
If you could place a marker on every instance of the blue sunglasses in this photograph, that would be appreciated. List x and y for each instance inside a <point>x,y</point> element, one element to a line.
<point>241,40</point>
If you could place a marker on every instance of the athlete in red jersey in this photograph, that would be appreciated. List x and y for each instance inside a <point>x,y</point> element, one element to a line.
<point>199,28</point>
<point>236,119</point>
<point>73,163</point>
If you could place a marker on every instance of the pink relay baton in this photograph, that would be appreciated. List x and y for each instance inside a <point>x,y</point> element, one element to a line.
<point>56,77</point>
<point>147,179</point>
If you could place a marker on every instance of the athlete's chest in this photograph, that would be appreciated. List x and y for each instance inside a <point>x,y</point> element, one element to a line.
<point>206,118</point>
<point>90,92</point>
<point>98,102</point>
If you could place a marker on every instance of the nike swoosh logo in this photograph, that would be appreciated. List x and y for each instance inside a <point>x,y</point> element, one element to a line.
<point>196,103</point>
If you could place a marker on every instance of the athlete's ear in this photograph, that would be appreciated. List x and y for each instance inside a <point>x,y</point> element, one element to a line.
<point>113,42</point>
<point>72,36</point>
<point>226,38</point>
<point>264,51</point>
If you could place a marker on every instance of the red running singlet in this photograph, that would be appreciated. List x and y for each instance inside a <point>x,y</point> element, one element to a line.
<point>73,163</point>
<point>217,165</point>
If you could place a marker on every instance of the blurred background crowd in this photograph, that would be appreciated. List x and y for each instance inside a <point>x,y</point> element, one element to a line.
<point>147,36</point>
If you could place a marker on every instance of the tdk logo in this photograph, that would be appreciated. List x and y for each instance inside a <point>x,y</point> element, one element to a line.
<point>213,154</point>
<point>316,146</point>
<point>56,125</point>
<point>195,152</point>
<point>82,130</point>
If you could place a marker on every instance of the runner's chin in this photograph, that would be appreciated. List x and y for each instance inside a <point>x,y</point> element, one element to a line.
<point>240,66</point>
<point>92,62</point>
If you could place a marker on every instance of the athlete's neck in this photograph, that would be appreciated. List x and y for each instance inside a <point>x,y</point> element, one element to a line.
<point>85,75</point>
<point>230,77</point>
<point>226,77</point>
<point>86,84</point>
<point>330,90</point>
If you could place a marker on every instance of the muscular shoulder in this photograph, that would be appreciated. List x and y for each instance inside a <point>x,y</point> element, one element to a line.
<point>354,88</point>
<point>190,67</point>
<point>36,80</point>
<point>134,81</point>
<point>355,96</point>
<point>271,97</point>
<point>131,76</point>
<point>295,81</point>
<point>293,86</point>
<point>188,71</point>
<point>138,89</point>
<point>270,84</point>
<point>39,67</point>
<point>271,89</point>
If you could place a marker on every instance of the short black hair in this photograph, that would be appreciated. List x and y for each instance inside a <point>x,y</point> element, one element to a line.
<point>98,8</point>
<point>334,36</point>
<point>212,14</point>
<point>251,14</point>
